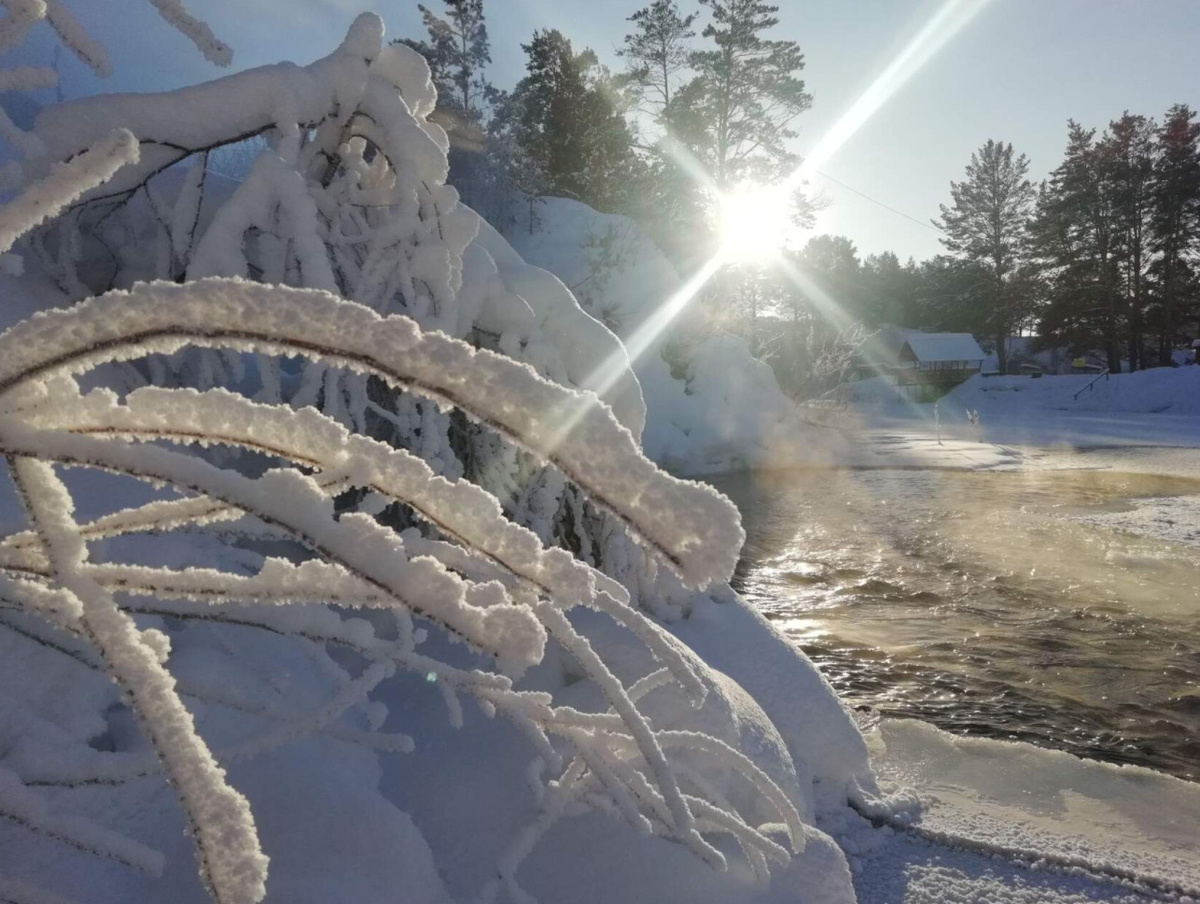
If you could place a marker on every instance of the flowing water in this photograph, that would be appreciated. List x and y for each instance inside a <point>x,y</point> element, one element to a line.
<point>978,602</point>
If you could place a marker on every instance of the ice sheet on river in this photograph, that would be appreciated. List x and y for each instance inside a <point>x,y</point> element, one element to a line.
<point>981,820</point>
<point>1174,518</point>
<point>912,449</point>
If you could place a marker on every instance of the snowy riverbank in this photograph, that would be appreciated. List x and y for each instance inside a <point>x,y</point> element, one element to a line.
<point>1010,822</point>
<point>509,665</point>
<point>1159,407</point>
<point>1141,423</point>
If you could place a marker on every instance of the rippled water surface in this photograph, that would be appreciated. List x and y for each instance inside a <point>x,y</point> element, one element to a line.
<point>977,602</point>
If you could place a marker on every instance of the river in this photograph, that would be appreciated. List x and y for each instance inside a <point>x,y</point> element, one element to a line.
<point>980,602</point>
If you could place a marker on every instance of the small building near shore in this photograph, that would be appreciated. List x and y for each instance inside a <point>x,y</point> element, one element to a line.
<point>920,366</point>
<point>945,359</point>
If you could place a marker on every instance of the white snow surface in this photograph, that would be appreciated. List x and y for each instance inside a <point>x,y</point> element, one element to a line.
<point>1150,407</point>
<point>1124,421</point>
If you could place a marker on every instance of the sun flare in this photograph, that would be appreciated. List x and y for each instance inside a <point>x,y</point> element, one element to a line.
<point>754,223</point>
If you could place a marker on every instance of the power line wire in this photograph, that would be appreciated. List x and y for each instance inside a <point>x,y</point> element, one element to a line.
<point>887,207</point>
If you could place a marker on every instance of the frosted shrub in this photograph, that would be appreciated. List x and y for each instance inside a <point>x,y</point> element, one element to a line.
<point>370,220</point>
<point>344,191</point>
<point>486,582</point>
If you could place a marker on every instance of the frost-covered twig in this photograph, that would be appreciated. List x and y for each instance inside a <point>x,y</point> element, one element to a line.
<point>231,862</point>
<point>21,806</point>
<point>479,614</point>
<point>174,12</point>
<point>112,770</point>
<point>65,183</point>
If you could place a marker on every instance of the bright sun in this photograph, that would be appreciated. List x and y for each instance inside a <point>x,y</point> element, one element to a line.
<point>754,223</point>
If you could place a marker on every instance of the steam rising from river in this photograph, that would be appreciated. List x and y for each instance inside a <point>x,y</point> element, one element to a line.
<point>979,602</point>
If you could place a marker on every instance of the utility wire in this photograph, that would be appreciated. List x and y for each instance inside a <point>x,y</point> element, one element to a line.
<point>866,197</point>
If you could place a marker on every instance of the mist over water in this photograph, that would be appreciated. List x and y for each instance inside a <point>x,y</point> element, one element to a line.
<point>978,602</point>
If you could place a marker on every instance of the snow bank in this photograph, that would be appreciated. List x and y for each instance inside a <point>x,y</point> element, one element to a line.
<point>725,411</point>
<point>1156,407</point>
<point>536,299</point>
<point>741,643</point>
<point>472,821</point>
<point>1160,390</point>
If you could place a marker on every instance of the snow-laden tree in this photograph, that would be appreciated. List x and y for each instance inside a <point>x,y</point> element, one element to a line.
<point>457,580</point>
<point>350,197</point>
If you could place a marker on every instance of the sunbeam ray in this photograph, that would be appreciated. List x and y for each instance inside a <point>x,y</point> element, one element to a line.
<point>825,305</point>
<point>948,21</point>
<point>604,377</point>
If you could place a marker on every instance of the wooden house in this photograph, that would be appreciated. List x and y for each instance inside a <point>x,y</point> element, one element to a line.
<point>944,359</point>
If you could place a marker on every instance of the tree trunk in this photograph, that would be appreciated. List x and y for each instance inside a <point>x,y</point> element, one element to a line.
<point>753,321</point>
<point>1114,357</point>
<point>1167,337</point>
<point>1002,352</point>
<point>1112,340</point>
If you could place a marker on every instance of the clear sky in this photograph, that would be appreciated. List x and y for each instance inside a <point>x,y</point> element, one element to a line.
<point>1015,72</point>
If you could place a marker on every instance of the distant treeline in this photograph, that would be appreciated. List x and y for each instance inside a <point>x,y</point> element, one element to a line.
<point>1102,256</point>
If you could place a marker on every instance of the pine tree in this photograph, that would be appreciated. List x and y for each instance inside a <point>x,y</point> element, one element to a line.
<point>1078,241</point>
<point>988,224</point>
<point>565,121</point>
<point>817,349</point>
<point>458,52</point>
<point>735,115</point>
<point>947,293</point>
<point>888,293</point>
<point>1176,222</point>
<point>519,168</point>
<point>656,52</point>
<point>1127,154</point>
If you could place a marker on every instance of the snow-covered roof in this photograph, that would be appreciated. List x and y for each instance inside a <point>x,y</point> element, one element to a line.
<point>927,347</point>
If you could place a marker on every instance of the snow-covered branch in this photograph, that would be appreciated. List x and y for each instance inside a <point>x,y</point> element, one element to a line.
<point>65,184</point>
<point>231,863</point>
<point>693,528</point>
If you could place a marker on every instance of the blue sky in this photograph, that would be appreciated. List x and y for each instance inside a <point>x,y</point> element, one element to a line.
<point>1016,72</point>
